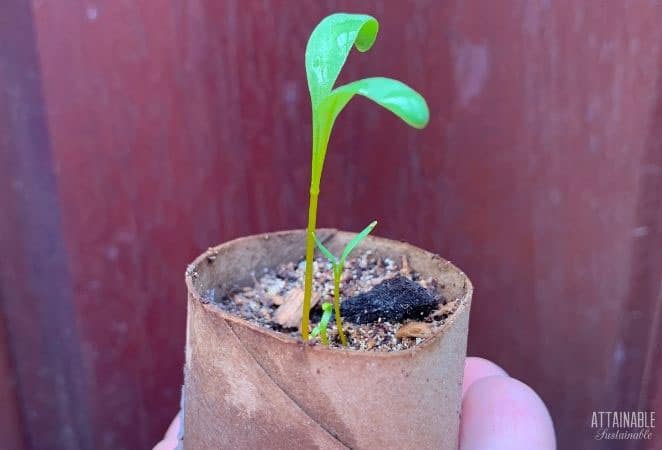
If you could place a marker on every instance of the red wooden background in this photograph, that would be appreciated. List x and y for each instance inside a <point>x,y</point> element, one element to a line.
<point>135,134</point>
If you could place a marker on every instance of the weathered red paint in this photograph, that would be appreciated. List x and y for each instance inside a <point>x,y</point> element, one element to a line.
<point>155,131</point>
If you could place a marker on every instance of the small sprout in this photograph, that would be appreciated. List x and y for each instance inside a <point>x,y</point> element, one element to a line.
<point>324,322</point>
<point>327,50</point>
<point>338,267</point>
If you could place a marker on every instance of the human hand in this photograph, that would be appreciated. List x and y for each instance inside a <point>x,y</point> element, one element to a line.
<point>498,413</point>
<point>170,441</point>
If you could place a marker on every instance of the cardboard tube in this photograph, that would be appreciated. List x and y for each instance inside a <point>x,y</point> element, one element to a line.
<point>248,387</point>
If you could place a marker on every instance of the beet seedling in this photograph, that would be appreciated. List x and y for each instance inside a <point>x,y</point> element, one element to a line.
<point>326,53</point>
<point>338,267</point>
<point>324,322</point>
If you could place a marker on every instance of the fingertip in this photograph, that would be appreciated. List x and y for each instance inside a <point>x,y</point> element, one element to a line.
<point>173,429</point>
<point>502,413</point>
<point>165,445</point>
<point>171,439</point>
<point>476,368</point>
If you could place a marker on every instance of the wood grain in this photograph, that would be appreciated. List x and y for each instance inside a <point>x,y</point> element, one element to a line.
<point>11,428</point>
<point>42,351</point>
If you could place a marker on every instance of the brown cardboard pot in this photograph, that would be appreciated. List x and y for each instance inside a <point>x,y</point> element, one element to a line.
<point>247,387</point>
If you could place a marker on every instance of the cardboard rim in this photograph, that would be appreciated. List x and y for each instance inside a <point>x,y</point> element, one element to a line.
<point>463,302</point>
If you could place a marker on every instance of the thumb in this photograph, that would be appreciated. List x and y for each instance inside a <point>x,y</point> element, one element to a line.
<point>502,413</point>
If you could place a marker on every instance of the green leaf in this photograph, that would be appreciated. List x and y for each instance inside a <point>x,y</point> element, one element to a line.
<point>332,259</point>
<point>392,94</point>
<point>357,239</point>
<point>330,44</point>
<point>324,323</point>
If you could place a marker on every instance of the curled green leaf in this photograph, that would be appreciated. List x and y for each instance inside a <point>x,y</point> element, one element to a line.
<point>330,44</point>
<point>391,94</point>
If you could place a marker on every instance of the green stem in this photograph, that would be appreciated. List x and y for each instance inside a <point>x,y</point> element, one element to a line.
<point>337,273</point>
<point>325,340</point>
<point>310,252</point>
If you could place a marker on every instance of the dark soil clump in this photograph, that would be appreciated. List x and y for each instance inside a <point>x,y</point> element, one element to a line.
<point>392,300</point>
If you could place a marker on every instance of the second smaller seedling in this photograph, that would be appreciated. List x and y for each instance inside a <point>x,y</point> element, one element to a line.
<point>338,267</point>
<point>324,322</point>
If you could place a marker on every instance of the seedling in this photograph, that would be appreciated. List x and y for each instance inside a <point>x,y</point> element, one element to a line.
<point>326,53</point>
<point>324,322</point>
<point>338,267</point>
